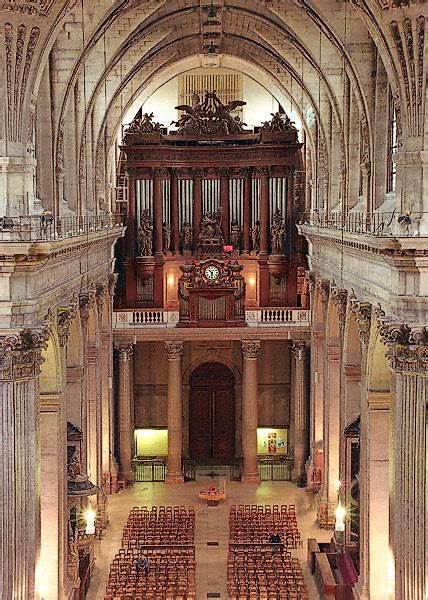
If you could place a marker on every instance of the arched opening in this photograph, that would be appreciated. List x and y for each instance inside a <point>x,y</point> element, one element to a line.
<point>212,413</point>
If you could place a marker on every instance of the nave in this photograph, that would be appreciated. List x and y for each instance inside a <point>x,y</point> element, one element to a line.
<point>211,525</point>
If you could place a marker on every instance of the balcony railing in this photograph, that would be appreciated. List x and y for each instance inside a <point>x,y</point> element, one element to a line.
<point>48,228</point>
<point>382,224</point>
<point>160,318</point>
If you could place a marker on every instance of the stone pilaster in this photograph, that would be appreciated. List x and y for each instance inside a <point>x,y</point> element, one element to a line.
<point>174,351</point>
<point>408,358</point>
<point>53,442</point>
<point>20,359</point>
<point>126,415</point>
<point>250,353</point>
<point>300,408</point>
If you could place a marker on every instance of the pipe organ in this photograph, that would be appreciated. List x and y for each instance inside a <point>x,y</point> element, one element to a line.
<point>211,190</point>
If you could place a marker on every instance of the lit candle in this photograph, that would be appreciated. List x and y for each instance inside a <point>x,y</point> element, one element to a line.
<point>90,521</point>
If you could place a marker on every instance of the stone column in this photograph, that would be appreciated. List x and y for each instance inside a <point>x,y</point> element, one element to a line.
<point>197,205</point>
<point>53,441</point>
<point>250,353</point>
<point>20,358</point>
<point>94,412</point>
<point>246,212</point>
<point>174,212</point>
<point>157,211</point>
<point>264,211</point>
<point>300,409</point>
<point>174,351</point>
<point>408,359</point>
<point>126,415</point>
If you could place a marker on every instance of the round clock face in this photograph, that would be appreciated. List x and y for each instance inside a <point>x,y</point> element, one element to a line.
<point>211,272</point>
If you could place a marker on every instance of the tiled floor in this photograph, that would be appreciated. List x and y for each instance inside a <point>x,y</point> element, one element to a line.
<point>212,525</point>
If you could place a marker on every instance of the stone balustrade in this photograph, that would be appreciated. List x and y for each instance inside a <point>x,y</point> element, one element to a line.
<point>264,317</point>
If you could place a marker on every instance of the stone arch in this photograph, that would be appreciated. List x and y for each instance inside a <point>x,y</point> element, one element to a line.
<point>212,357</point>
<point>51,375</point>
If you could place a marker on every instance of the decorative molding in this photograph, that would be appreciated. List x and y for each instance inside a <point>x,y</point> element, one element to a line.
<point>20,354</point>
<point>40,8</point>
<point>363,317</point>
<point>339,298</point>
<point>323,286</point>
<point>65,317</point>
<point>173,350</point>
<point>250,348</point>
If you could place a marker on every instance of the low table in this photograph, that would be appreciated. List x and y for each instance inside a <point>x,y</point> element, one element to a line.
<point>212,498</point>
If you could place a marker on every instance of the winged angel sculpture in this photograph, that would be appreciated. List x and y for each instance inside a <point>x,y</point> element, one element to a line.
<point>209,117</point>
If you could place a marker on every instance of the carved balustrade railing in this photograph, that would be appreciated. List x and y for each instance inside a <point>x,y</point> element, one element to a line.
<point>47,228</point>
<point>382,224</point>
<point>264,317</point>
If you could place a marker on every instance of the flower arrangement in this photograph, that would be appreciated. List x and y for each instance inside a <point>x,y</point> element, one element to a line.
<point>213,490</point>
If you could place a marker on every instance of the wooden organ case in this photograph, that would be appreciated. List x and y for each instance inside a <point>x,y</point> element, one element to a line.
<point>211,191</point>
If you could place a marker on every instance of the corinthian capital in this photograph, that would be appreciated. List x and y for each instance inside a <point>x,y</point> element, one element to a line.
<point>250,348</point>
<point>125,351</point>
<point>297,348</point>
<point>65,317</point>
<point>21,354</point>
<point>173,350</point>
<point>407,347</point>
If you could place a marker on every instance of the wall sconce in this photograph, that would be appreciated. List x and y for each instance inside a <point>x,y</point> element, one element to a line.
<point>90,521</point>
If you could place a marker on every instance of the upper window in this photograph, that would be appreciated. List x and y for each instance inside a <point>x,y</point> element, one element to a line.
<point>391,170</point>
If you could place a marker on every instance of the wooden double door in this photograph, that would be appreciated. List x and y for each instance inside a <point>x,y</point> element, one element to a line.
<point>212,413</point>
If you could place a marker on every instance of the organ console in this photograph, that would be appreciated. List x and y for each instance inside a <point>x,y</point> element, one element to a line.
<point>208,184</point>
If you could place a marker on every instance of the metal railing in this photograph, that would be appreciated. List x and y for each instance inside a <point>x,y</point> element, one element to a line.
<point>149,469</point>
<point>49,228</point>
<point>386,224</point>
<point>275,469</point>
<point>263,317</point>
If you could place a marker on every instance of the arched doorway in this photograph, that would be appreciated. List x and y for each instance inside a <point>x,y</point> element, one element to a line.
<point>212,413</point>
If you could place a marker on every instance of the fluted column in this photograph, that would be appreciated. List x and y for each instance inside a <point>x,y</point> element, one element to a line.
<point>20,358</point>
<point>174,352</point>
<point>174,212</point>
<point>126,416</point>
<point>246,213</point>
<point>300,409</point>
<point>408,359</point>
<point>250,353</point>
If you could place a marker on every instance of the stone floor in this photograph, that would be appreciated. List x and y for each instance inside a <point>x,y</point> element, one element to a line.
<point>212,525</point>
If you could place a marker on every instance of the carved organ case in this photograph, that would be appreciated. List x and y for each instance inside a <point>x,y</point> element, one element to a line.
<point>211,190</point>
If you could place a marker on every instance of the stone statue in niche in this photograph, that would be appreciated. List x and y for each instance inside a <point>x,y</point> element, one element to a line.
<point>255,237</point>
<point>235,234</point>
<point>186,236</point>
<point>277,231</point>
<point>166,237</point>
<point>145,234</point>
<point>210,229</point>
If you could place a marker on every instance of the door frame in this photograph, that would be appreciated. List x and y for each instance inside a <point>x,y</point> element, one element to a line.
<point>187,373</point>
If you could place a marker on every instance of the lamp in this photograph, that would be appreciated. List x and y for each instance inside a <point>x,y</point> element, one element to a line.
<point>90,521</point>
<point>340,513</point>
<point>212,48</point>
<point>212,11</point>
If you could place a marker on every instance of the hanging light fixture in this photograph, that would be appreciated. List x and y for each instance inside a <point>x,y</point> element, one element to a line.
<point>212,10</point>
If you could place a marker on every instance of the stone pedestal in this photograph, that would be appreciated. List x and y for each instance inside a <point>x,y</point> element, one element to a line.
<point>250,353</point>
<point>126,415</point>
<point>174,352</point>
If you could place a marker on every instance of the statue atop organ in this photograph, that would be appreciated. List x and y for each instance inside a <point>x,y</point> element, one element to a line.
<point>206,190</point>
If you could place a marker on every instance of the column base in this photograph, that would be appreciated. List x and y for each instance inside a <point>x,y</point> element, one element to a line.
<point>174,478</point>
<point>250,478</point>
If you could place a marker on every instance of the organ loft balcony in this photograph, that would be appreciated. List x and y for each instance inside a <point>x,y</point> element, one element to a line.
<point>211,238</point>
